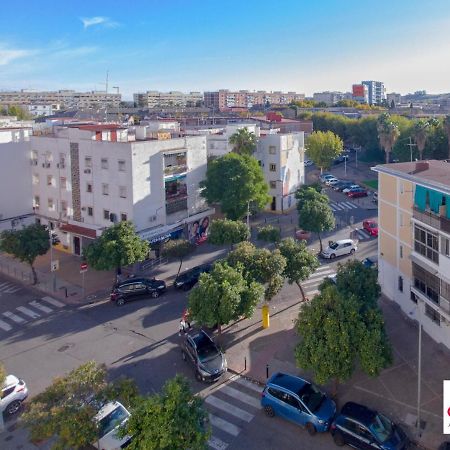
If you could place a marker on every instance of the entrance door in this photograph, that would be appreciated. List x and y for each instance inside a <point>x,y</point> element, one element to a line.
<point>273,206</point>
<point>76,246</point>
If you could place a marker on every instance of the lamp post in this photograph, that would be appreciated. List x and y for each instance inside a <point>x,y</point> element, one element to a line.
<point>419,366</point>
<point>118,104</point>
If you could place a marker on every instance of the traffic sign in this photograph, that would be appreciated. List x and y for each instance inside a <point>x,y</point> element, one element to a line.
<point>83,267</point>
<point>54,265</point>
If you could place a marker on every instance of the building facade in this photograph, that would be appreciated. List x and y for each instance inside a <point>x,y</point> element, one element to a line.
<point>37,110</point>
<point>360,93</point>
<point>414,241</point>
<point>394,98</point>
<point>157,99</point>
<point>376,91</point>
<point>330,98</point>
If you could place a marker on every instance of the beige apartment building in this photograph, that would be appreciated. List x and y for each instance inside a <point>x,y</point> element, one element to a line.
<point>414,241</point>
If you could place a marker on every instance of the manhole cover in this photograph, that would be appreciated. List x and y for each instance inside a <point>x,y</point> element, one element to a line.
<point>64,347</point>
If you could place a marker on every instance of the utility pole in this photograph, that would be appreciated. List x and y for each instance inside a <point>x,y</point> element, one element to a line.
<point>118,104</point>
<point>411,145</point>
<point>106,103</point>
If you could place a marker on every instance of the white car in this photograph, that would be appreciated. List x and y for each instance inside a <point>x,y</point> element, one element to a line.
<point>340,248</point>
<point>109,419</point>
<point>331,181</point>
<point>14,392</point>
<point>325,177</point>
<point>349,188</point>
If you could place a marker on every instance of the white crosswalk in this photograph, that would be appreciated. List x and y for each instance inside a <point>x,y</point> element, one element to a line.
<point>310,286</point>
<point>341,206</point>
<point>9,288</point>
<point>32,311</point>
<point>231,406</point>
<point>362,234</point>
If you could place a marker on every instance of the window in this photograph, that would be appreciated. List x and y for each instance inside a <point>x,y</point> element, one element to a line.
<point>273,167</point>
<point>121,165</point>
<point>401,251</point>
<point>123,217</point>
<point>34,157</point>
<point>104,163</point>
<point>105,189</point>
<point>106,214</point>
<point>445,246</point>
<point>276,393</point>
<point>426,283</point>
<point>272,150</point>
<point>88,162</point>
<point>90,211</point>
<point>122,192</point>
<point>51,204</point>
<point>63,182</point>
<point>49,180</point>
<point>36,201</point>
<point>413,297</point>
<point>400,284</point>
<point>432,314</point>
<point>35,178</point>
<point>89,187</point>
<point>273,185</point>
<point>426,243</point>
<point>64,208</point>
<point>62,160</point>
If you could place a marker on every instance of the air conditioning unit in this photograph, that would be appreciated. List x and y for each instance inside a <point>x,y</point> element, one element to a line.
<point>87,170</point>
<point>152,219</point>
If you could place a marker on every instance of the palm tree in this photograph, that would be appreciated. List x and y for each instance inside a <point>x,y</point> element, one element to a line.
<point>388,133</point>
<point>243,142</point>
<point>447,131</point>
<point>420,133</point>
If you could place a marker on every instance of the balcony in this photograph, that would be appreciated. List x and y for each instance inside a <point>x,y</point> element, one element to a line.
<point>176,204</point>
<point>175,170</point>
<point>432,219</point>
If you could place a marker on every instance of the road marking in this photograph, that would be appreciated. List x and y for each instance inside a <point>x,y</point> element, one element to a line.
<point>28,312</point>
<point>223,425</point>
<point>337,206</point>
<point>322,268</point>
<point>4,285</point>
<point>248,384</point>
<point>43,308</point>
<point>5,326</point>
<point>238,395</point>
<point>333,208</point>
<point>13,317</point>
<point>350,205</point>
<point>216,443</point>
<point>12,289</point>
<point>53,302</point>
<point>317,280</point>
<point>229,408</point>
<point>363,233</point>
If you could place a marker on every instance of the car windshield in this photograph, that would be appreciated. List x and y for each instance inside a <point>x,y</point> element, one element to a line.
<point>333,245</point>
<point>112,420</point>
<point>207,352</point>
<point>381,427</point>
<point>311,397</point>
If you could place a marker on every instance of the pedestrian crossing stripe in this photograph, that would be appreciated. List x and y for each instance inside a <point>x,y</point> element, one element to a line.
<point>245,398</point>
<point>340,206</point>
<point>229,408</point>
<point>28,312</point>
<point>14,317</point>
<point>216,443</point>
<point>53,302</point>
<point>43,308</point>
<point>224,425</point>
<point>4,326</point>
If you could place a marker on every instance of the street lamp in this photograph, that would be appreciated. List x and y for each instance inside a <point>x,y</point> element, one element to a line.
<point>117,92</point>
<point>419,366</point>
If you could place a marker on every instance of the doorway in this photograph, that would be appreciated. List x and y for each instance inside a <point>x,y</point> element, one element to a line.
<point>76,245</point>
<point>273,205</point>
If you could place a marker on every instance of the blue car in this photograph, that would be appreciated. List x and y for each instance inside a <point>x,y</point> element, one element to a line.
<point>299,401</point>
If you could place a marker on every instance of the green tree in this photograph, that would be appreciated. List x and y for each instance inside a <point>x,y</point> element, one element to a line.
<point>388,133</point>
<point>421,132</point>
<point>172,419</point>
<point>2,374</point>
<point>243,142</point>
<point>118,246</point>
<point>300,262</point>
<point>316,215</point>
<point>178,248</point>
<point>269,233</point>
<point>228,232</point>
<point>336,334</point>
<point>222,296</point>
<point>447,131</point>
<point>234,181</point>
<point>323,148</point>
<point>309,192</point>
<point>26,244</point>
<point>66,409</point>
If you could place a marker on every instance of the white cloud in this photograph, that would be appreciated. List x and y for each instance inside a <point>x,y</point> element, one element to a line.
<point>8,55</point>
<point>98,20</point>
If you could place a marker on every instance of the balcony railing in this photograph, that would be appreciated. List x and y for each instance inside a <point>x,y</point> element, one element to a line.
<point>432,219</point>
<point>171,170</point>
<point>176,205</point>
<point>443,304</point>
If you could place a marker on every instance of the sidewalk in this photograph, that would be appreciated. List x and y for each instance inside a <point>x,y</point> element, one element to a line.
<point>253,352</point>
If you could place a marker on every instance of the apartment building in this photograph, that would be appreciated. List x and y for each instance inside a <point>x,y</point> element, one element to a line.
<point>376,92</point>
<point>225,100</point>
<point>37,110</point>
<point>157,99</point>
<point>331,98</point>
<point>360,93</point>
<point>394,98</point>
<point>414,241</point>
<point>87,177</point>
<point>65,98</point>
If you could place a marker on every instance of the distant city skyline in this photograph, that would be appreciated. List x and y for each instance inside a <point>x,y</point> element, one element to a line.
<point>199,46</point>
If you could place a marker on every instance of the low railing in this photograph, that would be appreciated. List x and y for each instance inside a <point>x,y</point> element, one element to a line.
<point>432,219</point>
<point>170,170</point>
<point>177,205</point>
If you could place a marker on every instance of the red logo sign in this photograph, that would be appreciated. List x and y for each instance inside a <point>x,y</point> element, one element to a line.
<point>83,266</point>
<point>448,411</point>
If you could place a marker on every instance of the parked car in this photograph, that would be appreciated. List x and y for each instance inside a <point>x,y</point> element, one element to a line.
<point>371,227</point>
<point>134,288</point>
<point>375,197</point>
<point>325,176</point>
<point>352,186</point>
<point>357,192</point>
<point>340,248</point>
<point>299,401</point>
<point>371,261</point>
<point>207,359</point>
<point>331,181</point>
<point>109,419</point>
<point>363,428</point>
<point>302,235</point>
<point>189,278</point>
<point>14,392</point>
<point>343,184</point>
<point>308,162</point>
<point>340,159</point>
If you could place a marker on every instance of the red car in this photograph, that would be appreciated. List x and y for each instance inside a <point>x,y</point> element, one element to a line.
<point>371,227</point>
<point>357,192</point>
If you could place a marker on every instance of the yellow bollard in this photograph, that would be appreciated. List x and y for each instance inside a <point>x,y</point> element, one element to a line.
<point>265,316</point>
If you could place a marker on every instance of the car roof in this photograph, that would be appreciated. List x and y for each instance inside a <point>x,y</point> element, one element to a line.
<point>290,382</point>
<point>200,338</point>
<point>359,412</point>
<point>10,380</point>
<point>106,409</point>
<point>344,241</point>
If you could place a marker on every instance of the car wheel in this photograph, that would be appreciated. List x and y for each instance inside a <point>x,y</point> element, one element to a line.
<point>155,294</point>
<point>198,377</point>
<point>183,355</point>
<point>13,407</point>
<point>332,256</point>
<point>269,411</point>
<point>339,439</point>
<point>311,429</point>
<point>120,302</point>
<point>352,251</point>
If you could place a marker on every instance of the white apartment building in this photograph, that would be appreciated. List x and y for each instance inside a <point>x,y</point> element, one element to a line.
<point>376,91</point>
<point>330,98</point>
<point>37,110</point>
<point>394,97</point>
<point>87,177</point>
<point>156,99</point>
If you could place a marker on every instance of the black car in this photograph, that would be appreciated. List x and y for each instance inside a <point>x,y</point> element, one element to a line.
<point>208,361</point>
<point>340,185</point>
<point>365,428</point>
<point>340,159</point>
<point>134,288</point>
<point>189,278</point>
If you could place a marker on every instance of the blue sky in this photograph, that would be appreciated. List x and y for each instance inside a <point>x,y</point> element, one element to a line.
<point>187,45</point>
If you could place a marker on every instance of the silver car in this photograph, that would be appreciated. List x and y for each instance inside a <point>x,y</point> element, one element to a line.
<point>14,392</point>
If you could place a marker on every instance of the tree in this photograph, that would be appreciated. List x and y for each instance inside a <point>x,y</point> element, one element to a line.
<point>234,181</point>
<point>66,409</point>
<point>172,419</point>
<point>243,142</point>
<point>335,334</point>
<point>300,262</point>
<point>316,215</point>
<point>421,131</point>
<point>222,296</point>
<point>323,148</point>
<point>118,246</point>
<point>388,133</point>
<point>228,232</point>
<point>447,131</point>
<point>269,234</point>
<point>309,192</point>
<point>178,248</point>
<point>259,265</point>
<point>2,374</point>
<point>26,244</point>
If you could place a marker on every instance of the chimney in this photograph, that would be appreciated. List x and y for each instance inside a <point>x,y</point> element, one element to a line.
<point>421,166</point>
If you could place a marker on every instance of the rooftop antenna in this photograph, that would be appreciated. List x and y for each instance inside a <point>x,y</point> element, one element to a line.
<point>106,99</point>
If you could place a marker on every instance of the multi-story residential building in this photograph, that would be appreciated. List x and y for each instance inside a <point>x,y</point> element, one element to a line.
<point>376,91</point>
<point>330,98</point>
<point>394,98</point>
<point>37,110</point>
<point>65,98</point>
<point>360,93</point>
<point>414,241</point>
<point>156,99</point>
<point>273,122</point>
<point>225,100</point>
<point>87,177</point>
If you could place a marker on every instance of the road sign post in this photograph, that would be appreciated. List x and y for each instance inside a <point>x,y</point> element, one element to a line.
<point>83,270</point>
